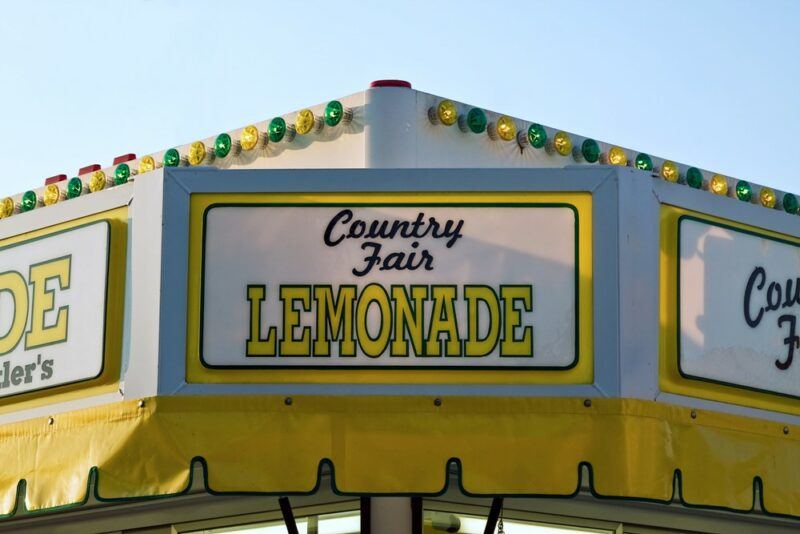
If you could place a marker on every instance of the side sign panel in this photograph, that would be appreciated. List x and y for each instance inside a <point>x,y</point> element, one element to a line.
<point>739,302</point>
<point>730,300</point>
<point>390,285</point>
<point>61,301</point>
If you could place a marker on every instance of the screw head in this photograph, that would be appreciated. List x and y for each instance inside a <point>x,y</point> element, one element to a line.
<point>288,401</point>
<point>587,403</point>
<point>786,430</point>
<point>693,414</point>
<point>437,401</point>
<point>50,420</point>
<point>140,404</point>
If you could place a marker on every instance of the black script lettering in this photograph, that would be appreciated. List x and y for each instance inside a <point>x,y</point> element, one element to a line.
<point>373,259</point>
<point>792,299</point>
<point>344,216</point>
<point>791,341</point>
<point>774,296</point>
<point>757,273</point>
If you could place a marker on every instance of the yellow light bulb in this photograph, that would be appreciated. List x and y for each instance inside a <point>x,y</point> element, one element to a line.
<point>52,194</point>
<point>447,112</point>
<point>197,153</point>
<point>767,197</point>
<point>670,172</point>
<point>506,129</point>
<point>304,122</point>
<point>146,164</point>
<point>97,182</point>
<point>562,143</point>
<point>249,137</point>
<point>6,207</point>
<point>617,156</point>
<point>718,185</point>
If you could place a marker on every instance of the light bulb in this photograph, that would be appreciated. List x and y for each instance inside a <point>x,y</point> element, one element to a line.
<point>744,191</point>
<point>670,172</point>
<point>29,201</point>
<point>718,185</point>
<point>694,178</point>
<point>197,153</point>
<point>122,173</point>
<point>276,129</point>
<point>617,156</point>
<point>506,129</point>
<point>97,181</point>
<point>476,120</point>
<point>790,204</point>
<point>767,197</point>
<point>52,194</point>
<point>643,162</point>
<point>146,164</point>
<point>590,150</point>
<point>537,136</point>
<point>172,158</point>
<point>447,112</point>
<point>562,143</point>
<point>304,122</point>
<point>75,187</point>
<point>222,145</point>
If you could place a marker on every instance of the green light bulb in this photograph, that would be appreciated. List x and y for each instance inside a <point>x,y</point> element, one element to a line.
<point>537,137</point>
<point>122,173</point>
<point>222,145</point>
<point>172,158</point>
<point>743,191</point>
<point>590,150</point>
<point>333,113</point>
<point>276,129</point>
<point>790,204</point>
<point>74,187</point>
<point>694,178</point>
<point>29,201</point>
<point>643,162</point>
<point>476,120</point>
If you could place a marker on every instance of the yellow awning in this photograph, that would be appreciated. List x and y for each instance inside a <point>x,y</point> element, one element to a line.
<point>402,445</point>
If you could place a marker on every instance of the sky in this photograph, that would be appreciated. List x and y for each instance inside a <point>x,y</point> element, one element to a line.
<point>714,84</point>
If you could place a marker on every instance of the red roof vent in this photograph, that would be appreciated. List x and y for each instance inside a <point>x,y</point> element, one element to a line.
<point>390,83</point>
<point>123,158</point>
<point>88,169</point>
<point>55,179</point>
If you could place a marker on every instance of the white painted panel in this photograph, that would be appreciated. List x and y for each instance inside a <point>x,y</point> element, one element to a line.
<point>738,307</point>
<point>273,246</point>
<point>77,299</point>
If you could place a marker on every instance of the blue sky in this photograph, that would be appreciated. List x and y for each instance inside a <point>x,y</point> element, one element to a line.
<point>713,84</point>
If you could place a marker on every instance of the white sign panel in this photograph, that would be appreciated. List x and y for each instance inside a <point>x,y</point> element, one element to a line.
<point>738,307</point>
<point>389,286</point>
<point>52,309</point>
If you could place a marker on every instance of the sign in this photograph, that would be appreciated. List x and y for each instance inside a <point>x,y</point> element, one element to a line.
<point>739,301</point>
<point>390,286</point>
<point>53,309</point>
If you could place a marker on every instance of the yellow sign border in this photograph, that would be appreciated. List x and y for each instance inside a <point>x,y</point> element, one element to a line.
<point>581,373</point>
<point>108,380</point>
<point>670,379</point>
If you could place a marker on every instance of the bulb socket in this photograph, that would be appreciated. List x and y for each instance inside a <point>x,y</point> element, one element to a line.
<point>433,115</point>
<point>347,115</point>
<point>491,131</point>
<point>522,139</point>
